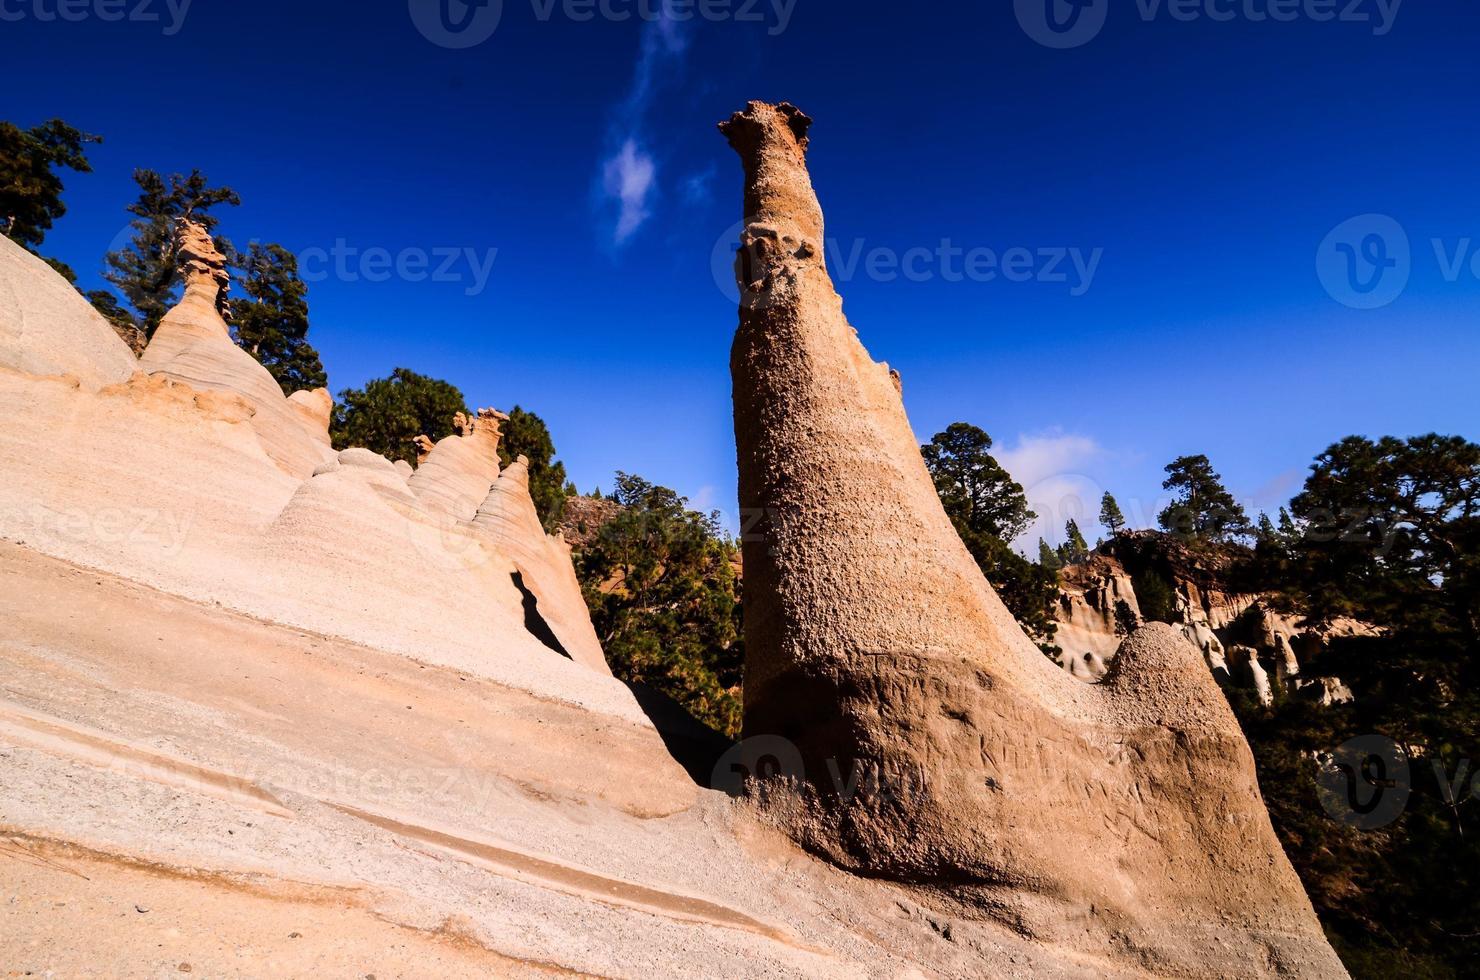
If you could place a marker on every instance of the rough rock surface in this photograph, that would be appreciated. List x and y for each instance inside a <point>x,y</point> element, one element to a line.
<point>934,745</point>
<point>454,475</point>
<point>584,518</point>
<point>197,476</point>
<point>316,407</point>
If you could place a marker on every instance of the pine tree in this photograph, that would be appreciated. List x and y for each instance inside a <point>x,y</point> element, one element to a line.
<point>1111,517</point>
<point>1204,509</point>
<point>660,582</point>
<point>989,510</point>
<point>976,490</point>
<point>270,322</point>
<point>388,414</point>
<point>1075,549</point>
<point>30,190</point>
<point>146,271</point>
<point>1047,557</point>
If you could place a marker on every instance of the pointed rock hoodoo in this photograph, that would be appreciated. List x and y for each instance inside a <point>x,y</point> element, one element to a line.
<point>454,475</point>
<point>193,345</point>
<point>509,519</point>
<point>938,747</point>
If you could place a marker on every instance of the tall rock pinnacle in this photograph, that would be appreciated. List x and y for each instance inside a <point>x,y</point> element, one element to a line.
<point>937,746</point>
<point>202,266</point>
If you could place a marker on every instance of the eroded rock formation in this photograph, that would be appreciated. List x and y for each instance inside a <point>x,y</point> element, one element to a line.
<point>543,564</point>
<point>1244,638</point>
<point>190,470</point>
<point>193,345</point>
<point>453,476</point>
<point>936,746</point>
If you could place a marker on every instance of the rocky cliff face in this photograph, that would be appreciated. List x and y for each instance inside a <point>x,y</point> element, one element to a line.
<point>934,745</point>
<point>1242,637</point>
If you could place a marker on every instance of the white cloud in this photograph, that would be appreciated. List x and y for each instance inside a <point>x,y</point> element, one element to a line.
<point>629,178</point>
<point>1058,473</point>
<point>698,188</point>
<point>629,173</point>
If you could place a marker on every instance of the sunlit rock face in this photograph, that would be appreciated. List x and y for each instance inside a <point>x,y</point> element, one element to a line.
<point>934,744</point>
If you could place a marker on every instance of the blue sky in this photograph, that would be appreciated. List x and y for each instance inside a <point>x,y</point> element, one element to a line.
<point>565,177</point>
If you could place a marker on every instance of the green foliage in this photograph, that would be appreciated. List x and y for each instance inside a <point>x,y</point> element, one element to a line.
<point>1047,557</point>
<point>1074,549</point>
<point>1110,516</point>
<point>1204,509</point>
<point>62,269</point>
<point>107,305</point>
<point>30,189</point>
<point>1156,597</point>
<point>388,414</point>
<point>1390,534</point>
<point>989,509</point>
<point>974,487</point>
<point>660,583</point>
<point>271,322</point>
<point>525,434</point>
<point>1385,531</point>
<point>146,270</point>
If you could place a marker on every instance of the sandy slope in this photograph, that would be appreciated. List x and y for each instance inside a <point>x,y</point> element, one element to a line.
<point>245,781</point>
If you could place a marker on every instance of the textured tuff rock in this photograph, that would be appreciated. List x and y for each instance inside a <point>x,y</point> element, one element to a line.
<point>1244,639</point>
<point>454,475</point>
<point>934,745</point>
<point>1088,596</point>
<point>1244,663</point>
<point>316,407</point>
<point>193,345</point>
<point>543,565</point>
<point>46,328</point>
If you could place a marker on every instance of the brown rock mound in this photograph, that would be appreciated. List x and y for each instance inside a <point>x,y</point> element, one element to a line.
<point>938,747</point>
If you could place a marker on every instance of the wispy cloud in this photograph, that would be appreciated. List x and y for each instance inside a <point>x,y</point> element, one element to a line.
<point>629,172</point>
<point>1058,473</point>
<point>698,188</point>
<point>628,178</point>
